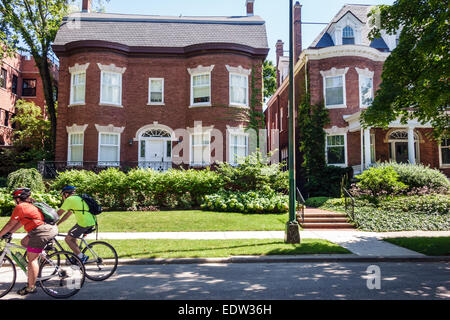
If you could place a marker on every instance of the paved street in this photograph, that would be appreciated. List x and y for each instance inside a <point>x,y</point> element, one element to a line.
<point>265,281</point>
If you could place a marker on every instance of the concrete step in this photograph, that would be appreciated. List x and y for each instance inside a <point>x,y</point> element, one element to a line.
<point>325,219</point>
<point>325,215</point>
<point>326,225</point>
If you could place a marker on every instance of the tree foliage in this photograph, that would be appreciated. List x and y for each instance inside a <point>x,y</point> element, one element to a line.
<point>270,78</point>
<point>415,78</point>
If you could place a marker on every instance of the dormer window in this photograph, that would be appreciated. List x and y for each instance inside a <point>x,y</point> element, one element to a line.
<point>348,36</point>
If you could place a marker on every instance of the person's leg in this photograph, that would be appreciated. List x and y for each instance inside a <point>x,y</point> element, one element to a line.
<point>71,238</point>
<point>33,268</point>
<point>25,240</point>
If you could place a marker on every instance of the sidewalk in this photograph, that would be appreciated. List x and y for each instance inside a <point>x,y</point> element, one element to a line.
<point>365,246</point>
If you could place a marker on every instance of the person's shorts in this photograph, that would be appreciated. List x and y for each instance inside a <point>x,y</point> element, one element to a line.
<point>77,231</point>
<point>40,236</point>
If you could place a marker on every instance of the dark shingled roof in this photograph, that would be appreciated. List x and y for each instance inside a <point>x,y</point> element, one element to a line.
<point>158,31</point>
<point>325,41</point>
<point>380,44</point>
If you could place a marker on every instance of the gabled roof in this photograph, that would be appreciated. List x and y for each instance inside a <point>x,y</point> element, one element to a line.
<point>380,44</point>
<point>158,31</point>
<point>359,11</point>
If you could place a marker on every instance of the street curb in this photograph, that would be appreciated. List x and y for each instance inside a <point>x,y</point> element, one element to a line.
<point>284,259</point>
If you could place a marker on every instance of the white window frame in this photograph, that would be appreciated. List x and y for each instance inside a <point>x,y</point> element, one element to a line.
<point>333,72</point>
<point>77,69</point>
<point>69,149</point>
<point>440,147</point>
<point>150,102</point>
<point>231,156</point>
<point>191,146</point>
<point>200,71</point>
<point>345,149</point>
<point>241,72</point>
<point>113,70</point>
<point>364,73</point>
<point>281,119</point>
<point>106,163</point>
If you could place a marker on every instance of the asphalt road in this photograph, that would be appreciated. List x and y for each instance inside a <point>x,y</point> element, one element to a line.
<point>266,281</point>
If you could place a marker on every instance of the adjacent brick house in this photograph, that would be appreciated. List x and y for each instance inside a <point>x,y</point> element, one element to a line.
<point>129,82</point>
<point>19,79</point>
<point>342,69</point>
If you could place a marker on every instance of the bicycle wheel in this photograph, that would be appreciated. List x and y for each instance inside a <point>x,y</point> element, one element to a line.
<point>8,276</point>
<point>102,261</point>
<point>61,274</point>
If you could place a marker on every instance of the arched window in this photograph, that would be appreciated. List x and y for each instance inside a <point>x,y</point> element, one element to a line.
<point>348,36</point>
<point>156,133</point>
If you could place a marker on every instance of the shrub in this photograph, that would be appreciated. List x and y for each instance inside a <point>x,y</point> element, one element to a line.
<point>7,203</point>
<point>82,179</point>
<point>378,182</point>
<point>427,204</point>
<point>28,178</point>
<point>328,182</point>
<point>316,202</point>
<point>418,176</point>
<point>247,202</point>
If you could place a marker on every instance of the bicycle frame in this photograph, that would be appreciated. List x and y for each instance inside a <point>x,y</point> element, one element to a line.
<point>83,242</point>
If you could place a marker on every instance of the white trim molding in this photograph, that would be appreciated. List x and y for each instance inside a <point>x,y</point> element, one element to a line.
<point>200,69</point>
<point>239,70</point>
<point>353,50</point>
<point>334,130</point>
<point>333,72</point>
<point>76,128</point>
<point>111,68</point>
<point>155,125</point>
<point>78,68</point>
<point>109,129</point>
<point>365,72</point>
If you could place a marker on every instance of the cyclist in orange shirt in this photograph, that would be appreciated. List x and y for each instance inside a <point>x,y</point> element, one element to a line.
<point>39,233</point>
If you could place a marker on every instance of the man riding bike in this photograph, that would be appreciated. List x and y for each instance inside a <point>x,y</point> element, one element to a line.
<point>85,220</point>
<point>39,233</point>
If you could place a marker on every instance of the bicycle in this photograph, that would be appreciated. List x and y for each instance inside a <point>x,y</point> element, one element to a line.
<point>102,261</point>
<point>56,279</point>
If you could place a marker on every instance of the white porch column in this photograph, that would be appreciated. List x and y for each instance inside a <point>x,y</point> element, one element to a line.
<point>411,148</point>
<point>362,150</point>
<point>367,155</point>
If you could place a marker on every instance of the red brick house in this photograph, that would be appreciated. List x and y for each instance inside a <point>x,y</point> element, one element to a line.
<point>344,69</point>
<point>19,79</point>
<point>156,91</point>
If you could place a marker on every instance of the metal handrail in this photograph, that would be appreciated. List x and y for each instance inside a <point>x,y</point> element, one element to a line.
<point>302,202</point>
<point>347,195</point>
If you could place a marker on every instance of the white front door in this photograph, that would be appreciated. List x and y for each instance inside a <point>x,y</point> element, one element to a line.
<point>154,150</point>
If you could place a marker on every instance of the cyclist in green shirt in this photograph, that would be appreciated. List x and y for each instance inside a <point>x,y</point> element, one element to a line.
<point>85,220</point>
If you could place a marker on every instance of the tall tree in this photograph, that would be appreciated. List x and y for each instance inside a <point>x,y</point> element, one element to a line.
<point>31,26</point>
<point>415,78</point>
<point>270,78</point>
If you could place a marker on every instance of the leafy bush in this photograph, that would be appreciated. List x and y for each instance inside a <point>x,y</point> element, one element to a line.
<point>28,178</point>
<point>328,182</point>
<point>7,203</point>
<point>247,202</point>
<point>82,179</point>
<point>418,176</point>
<point>428,204</point>
<point>316,202</point>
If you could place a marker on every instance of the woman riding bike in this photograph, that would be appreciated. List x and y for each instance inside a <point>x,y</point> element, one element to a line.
<point>39,233</point>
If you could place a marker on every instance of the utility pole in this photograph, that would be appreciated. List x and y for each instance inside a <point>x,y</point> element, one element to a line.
<point>292,229</point>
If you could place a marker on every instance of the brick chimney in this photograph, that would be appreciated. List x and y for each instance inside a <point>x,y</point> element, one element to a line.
<point>86,6</point>
<point>249,4</point>
<point>297,31</point>
<point>279,49</point>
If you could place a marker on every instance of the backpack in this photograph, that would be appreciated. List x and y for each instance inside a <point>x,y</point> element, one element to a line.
<point>94,207</point>
<point>50,214</point>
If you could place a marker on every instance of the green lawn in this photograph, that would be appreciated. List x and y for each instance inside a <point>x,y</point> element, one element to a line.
<point>141,249</point>
<point>193,220</point>
<point>430,246</point>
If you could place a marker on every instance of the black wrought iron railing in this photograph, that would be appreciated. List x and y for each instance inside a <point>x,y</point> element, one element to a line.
<point>301,205</point>
<point>348,196</point>
<point>50,169</point>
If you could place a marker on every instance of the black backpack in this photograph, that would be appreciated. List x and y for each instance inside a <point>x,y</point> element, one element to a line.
<point>94,207</point>
<point>50,215</point>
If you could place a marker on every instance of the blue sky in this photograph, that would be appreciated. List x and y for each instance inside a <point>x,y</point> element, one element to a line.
<point>274,12</point>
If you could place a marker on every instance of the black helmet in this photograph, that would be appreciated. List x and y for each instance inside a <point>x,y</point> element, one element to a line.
<point>21,193</point>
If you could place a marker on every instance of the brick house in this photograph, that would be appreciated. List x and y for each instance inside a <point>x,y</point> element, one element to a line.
<point>156,91</point>
<point>19,79</point>
<point>343,68</point>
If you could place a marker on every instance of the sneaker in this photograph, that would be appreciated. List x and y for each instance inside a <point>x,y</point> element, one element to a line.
<point>26,290</point>
<point>84,259</point>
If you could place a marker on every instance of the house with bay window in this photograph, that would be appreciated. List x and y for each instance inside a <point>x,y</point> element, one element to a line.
<point>154,91</point>
<point>342,69</point>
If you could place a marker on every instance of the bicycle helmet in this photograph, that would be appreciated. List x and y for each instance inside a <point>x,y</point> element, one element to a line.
<point>68,189</point>
<point>21,193</point>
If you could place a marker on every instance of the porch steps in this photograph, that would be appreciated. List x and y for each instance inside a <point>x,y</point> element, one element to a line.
<point>322,219</point>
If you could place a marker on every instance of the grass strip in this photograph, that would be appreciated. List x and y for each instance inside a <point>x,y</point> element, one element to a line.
<point>430,246</point>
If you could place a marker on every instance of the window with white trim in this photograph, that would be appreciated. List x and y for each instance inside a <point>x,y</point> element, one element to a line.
<point>335,150</point>
<point>200,149</point>
<point>365,91</point>
<point>445,152</point>
<point>238,145</point>
<point>111,88</point>
<point>78,88</point>
<point>238,89</point>
<point>75,150</point>
<point>201,88</point>
<point>156,91</point>
<point>348,36</point>
<point>334,90</point>
<point>109,149</point>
